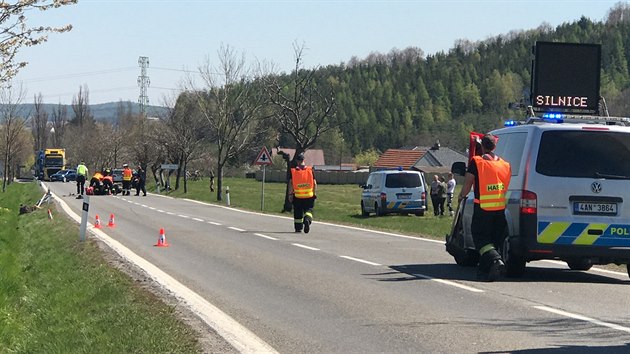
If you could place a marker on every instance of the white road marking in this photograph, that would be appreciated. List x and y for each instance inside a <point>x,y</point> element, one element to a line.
<point>267,237</point>
<point>306,247</point>
<point>361,260</point>
<point>160,210</point>
<point>241,338</point>
<point>169,213</point>
<point>197,219</point>
<point>214,223</point>
<point>152,208</point>
<point>584,318</point>
<point>448,282</point>
<point>183,216</point>
<point>143,205</point>
<point>235,228</point>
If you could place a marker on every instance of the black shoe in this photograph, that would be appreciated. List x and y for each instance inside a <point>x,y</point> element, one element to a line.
<point>137,195</point>
<point>497,268</point>
<point>307,224</point>
<point>144,195</point>
<point>79,197</point>
<point>298,231</point>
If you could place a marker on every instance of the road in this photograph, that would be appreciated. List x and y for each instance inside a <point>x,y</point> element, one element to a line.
<point>340,289</point>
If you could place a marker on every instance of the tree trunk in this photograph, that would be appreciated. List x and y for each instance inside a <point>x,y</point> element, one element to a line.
<point>219,182</point>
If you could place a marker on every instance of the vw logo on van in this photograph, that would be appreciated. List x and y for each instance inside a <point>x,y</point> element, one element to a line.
<point>596,187</point>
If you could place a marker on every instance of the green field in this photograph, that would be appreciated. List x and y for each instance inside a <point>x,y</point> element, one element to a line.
<point>59,295</point>
<point>335,203</point>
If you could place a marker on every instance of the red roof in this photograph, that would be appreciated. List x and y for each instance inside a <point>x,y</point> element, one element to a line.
<point>393,158</point>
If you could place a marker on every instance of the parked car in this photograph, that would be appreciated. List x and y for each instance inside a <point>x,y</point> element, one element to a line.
<point>69,175</point>
<point>117,175</point>
<point>394,191</point>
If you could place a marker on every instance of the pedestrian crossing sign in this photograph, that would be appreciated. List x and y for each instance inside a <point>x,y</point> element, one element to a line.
<point>264,158</point>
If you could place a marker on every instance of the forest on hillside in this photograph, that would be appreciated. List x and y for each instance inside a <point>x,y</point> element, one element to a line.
<point>404,98</point>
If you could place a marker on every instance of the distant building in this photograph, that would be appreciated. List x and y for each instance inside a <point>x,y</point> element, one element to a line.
<point>434,159</point>
<point>312,157</point>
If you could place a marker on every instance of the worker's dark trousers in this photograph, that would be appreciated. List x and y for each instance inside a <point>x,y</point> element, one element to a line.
<point>301,208</point>
<point>488,228</point>
<point>80,184</point>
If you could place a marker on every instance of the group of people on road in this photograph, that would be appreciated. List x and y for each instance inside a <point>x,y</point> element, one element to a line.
<point>442,192</point>
<point>102,182</point>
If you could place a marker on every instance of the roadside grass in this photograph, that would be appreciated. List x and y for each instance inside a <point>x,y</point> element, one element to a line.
<point>335,203</point>
<point>59,295</point>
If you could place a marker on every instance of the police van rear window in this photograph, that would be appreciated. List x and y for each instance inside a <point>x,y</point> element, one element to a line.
<point>584,154</point>
<point>402,180</point>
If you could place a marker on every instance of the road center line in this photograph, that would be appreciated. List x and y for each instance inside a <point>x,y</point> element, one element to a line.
<point>306,247</point>
<point>267,237</point>
<point>160,210</point>
<point>361,260</point>
<point>197,219</point>
<point>183,216</point>
<point>214,223</point>
<point>169,213</point>
<point>448,282</point>
<point>235,228</point>
<point>584,318</point>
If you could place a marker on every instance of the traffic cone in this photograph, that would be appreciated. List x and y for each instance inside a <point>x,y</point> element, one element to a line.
<point>111,221</point>
<point>50,215</point>
<point>162,239</point>
<point>97,222</point>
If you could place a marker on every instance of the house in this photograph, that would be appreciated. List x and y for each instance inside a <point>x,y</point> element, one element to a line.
<point>312,157</point>
<point>434,159</point>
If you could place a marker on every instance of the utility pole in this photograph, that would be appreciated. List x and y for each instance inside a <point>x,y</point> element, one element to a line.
<point>143,82</point>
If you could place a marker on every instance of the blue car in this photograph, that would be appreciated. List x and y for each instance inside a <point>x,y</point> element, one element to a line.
<point>70,175</point>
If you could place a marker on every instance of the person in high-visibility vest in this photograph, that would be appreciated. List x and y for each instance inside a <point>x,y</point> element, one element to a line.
<point>127,174</point>
<point>82,172</point>
<point>490,175</point>
<point>302,193</point>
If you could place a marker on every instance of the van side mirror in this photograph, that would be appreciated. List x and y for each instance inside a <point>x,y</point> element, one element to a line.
<point>458,168</point>
<point>366,186</point>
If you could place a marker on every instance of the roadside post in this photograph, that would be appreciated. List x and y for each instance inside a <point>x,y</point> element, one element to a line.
<point>264,159</point>
<point>84,217</point>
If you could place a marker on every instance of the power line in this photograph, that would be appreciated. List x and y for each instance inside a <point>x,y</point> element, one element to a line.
<point>69,76</point>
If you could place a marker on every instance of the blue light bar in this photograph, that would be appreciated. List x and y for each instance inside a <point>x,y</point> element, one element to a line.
<point>510,123</point>
<point>553,117</point>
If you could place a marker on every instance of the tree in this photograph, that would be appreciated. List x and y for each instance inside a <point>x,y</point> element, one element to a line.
<point>233,105</point>
<point>15,32</point>
<point>59,120</point>
<point>12,128</point>
<point>39,123</point>
<point>302,108</point>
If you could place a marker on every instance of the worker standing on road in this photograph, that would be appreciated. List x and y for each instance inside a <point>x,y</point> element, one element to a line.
<point>82,172</point>
<point>127,174</point>
<point>302,193</point>
<point>491,177</point>
<point>141,178</point>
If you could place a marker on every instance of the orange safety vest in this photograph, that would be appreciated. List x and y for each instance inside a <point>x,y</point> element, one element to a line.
<point>494,179</point>
<point>109,178</point>
<point>127,174</point>
<point>303,182</point>
<point>98,176</point>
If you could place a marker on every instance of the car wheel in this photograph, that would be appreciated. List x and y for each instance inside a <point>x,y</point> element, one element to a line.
<point>514,265</point>
<point>378,211</point>
<point>580,264</point>
<point>364,213</point>
<point>628,268</point>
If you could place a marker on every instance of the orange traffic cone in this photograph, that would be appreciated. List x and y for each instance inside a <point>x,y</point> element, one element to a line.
<point>97,222</point>
<point>50,214</point>
<point>162,240</point>
<point>111,221</point>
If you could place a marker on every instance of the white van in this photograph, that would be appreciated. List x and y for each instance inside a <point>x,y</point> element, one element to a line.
<point>394,191</point>
<point>569,196</point>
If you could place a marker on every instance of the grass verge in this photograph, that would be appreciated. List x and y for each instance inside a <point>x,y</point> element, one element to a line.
<point>59,295</point>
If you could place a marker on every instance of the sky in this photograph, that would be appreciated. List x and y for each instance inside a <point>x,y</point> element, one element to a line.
<point>178,36</point>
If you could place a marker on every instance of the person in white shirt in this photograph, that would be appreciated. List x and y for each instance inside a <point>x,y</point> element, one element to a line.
<point>450,190</point>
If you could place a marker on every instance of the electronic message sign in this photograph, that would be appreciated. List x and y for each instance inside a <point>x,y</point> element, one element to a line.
<point>566,77</point>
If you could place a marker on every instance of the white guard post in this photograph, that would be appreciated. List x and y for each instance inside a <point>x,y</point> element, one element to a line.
<point>84,217</point>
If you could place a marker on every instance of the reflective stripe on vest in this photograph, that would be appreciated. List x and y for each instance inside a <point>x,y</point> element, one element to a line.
<point>494,179</point>
<point>303,182</point>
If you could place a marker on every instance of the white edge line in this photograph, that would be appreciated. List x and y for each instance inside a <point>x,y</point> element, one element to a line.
<point>241,338</point>
<point>304,246</point>
<point>361,260</point>
<point>584,318</point>
<point>417,238</point>
<point>267,237</point>
<point>448,282</point>
<point>594,269</point>
<point>235,228</point>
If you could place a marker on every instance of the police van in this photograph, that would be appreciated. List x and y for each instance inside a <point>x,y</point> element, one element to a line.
<point>569,195</point>
<point>394,191</point>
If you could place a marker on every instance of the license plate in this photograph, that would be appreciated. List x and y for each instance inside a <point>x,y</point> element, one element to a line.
<point>595,208</point>
<point>404,196</point>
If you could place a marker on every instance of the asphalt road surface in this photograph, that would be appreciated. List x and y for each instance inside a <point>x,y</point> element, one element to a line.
<point>340,289</point>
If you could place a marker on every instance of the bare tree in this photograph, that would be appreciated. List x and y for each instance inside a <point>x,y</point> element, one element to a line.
<point>233,105</point>
<point>303,110</point>
<point>81,109</point>
<point>39,123</point>
<point>12,128</point>
<point>15,32</point>
<point>59,121</point>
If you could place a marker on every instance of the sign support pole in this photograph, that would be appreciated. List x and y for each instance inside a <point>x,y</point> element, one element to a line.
<point>84,217</point>
<point>262,193</point>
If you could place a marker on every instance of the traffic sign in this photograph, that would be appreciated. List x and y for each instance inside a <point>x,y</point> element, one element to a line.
<point>169,166</point>
<point>264,158</point>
